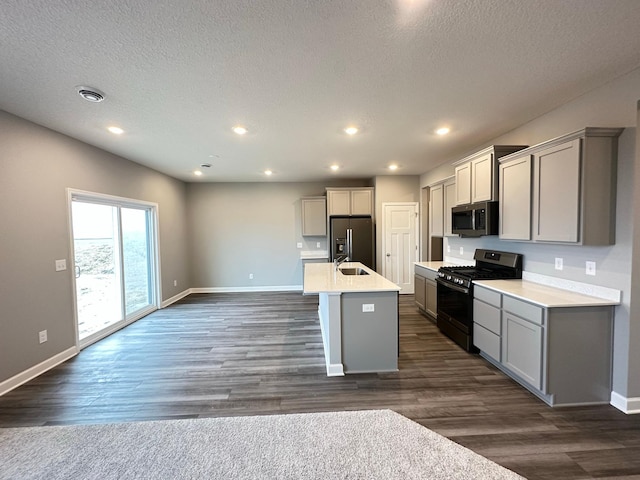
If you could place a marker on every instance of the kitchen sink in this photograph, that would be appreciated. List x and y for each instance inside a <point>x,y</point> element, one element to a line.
<point>353,271</point>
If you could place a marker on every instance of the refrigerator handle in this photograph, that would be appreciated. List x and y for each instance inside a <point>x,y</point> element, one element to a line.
<point>350,244</point>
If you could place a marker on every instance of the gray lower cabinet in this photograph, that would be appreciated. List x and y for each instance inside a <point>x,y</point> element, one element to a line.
<point>420,295</point>
<point>426,291</point>
<point>522,348</point>
<point>563,355</point>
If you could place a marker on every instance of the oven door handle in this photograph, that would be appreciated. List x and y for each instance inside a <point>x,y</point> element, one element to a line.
<point>453,287</point>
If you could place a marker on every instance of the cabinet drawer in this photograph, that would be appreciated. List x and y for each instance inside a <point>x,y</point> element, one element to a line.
<point>487,296</point>
<point>522,309</point>
<point>486,315</point>
<point>486,341</point>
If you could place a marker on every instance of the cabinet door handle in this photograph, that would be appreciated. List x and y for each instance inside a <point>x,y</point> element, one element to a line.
<point>388,254</point>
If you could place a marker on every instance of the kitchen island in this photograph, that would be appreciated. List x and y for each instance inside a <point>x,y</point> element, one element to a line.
<point>358,312</point>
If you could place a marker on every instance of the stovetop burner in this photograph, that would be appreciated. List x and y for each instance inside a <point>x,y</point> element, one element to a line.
<point>490,265</point>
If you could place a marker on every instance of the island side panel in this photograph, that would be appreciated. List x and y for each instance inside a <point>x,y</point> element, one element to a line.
<point>580,354</point>
<point>330,323</point>
<point>370,339</point>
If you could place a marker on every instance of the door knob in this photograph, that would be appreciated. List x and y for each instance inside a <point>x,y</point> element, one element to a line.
<point>388,254</point>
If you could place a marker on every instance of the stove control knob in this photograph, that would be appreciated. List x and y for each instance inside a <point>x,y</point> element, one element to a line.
<point>448,277</point>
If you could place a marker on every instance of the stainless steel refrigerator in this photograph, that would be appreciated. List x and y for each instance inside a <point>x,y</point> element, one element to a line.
<point>353,236</point>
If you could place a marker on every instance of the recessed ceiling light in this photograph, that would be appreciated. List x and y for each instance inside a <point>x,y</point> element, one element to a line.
<point>116,130</point>
<point>335,168</point>
<point>442,131</point>
<point>351,130</point>
<point>197,173</point>
<point>268,172</point>
<point>240,130</point>
<point>90,94</point>
<point>393,167</point>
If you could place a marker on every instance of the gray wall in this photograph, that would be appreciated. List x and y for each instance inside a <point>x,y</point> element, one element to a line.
<point>37,165</point>
<point>613,105</point>
<point>240,228</point>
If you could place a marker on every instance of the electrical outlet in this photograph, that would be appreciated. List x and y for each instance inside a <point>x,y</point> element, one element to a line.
<point>558,263</point>
<point>317,244</point>
<point>368,307</point>
<point>590,268</point>
<point>175,283</point>
<point>299,245</point>
<point>251,276</point>
<point>61,265</point>
<point>461,250</point>
<point>42,336</point>
<point>448,248</point>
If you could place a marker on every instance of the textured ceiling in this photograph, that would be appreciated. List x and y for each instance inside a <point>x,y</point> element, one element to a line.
<point>178,75</point>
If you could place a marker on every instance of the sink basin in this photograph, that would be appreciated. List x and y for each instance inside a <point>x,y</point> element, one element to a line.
<point>353,271</point>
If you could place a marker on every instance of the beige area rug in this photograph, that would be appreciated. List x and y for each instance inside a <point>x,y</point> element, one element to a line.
<point>375,444</point>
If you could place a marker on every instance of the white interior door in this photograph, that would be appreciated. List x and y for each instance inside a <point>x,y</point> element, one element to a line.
<point>399,248</point>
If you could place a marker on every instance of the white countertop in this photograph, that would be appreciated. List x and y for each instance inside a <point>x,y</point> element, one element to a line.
<point>434,265</point>
<point>323,278</point>
<point>314,254</point>
<point>543,295</point>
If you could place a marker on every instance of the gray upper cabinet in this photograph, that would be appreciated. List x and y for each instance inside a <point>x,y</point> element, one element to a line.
<point>463,184</point>
<point>436,210</point>
<point>556,198</point>
<point>449,201</point>
<point>482,178</point>
<point>476,176</point>
<point>562,191</point>
<point>314,216</point>
<point>442,196</point>
<point>515,198</point>
<point>350,201</point>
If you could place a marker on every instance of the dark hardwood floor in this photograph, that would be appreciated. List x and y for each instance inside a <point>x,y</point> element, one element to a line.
<point>252,354</point>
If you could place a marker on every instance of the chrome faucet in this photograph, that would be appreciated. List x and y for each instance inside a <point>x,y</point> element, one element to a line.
<point>339,261</point>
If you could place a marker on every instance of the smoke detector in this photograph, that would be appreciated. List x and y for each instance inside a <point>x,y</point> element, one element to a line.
<point>90,94</point>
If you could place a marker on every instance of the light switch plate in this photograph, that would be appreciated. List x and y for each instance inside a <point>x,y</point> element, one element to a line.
<point>558,263</point>
<point>299,245</point>
<point>590,268</point>
<point>461,250</point>
<point>368,307</point>
<point>61,265</point>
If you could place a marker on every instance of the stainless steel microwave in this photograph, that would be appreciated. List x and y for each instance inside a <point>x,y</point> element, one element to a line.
<point>475,219</point>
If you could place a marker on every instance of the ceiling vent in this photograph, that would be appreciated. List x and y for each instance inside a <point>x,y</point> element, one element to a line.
<point>90,94</point>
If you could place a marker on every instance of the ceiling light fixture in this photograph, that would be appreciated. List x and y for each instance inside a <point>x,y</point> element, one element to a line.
<point>240,130</point>
<point>443,131</point>
<point>268,173</point>
<point>116,130</point>
<point>197,173</point>
<point>90,94</point>
<point>335,168</point>
<point>351,130</point>
<point>393,167</point>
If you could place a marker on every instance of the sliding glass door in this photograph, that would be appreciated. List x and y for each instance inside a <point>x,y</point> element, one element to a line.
<point>115,263</point>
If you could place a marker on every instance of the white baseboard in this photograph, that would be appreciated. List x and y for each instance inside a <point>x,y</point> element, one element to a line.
<point>624,404</point>
<point>175,298</point>
<point>36,370</point>
<point>266,288</point>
